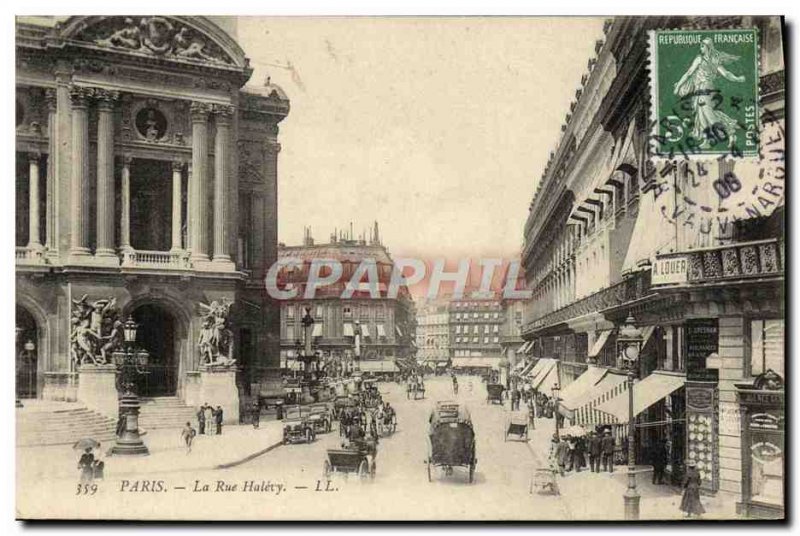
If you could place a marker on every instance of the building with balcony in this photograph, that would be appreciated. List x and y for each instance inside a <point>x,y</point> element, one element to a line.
<point>146,176</point>
<point>387,325</point>
<point>433,333</point>
<point>602,242</point>
<point>476,323</point>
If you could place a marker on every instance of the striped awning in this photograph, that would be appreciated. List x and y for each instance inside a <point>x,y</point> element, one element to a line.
<point>646,392</point>
<point>609,386</point>
<point>582,386</point>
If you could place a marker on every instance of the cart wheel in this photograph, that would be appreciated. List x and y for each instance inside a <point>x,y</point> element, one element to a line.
<point>471,472</point>
<point>428,463</point>
<point>363,469</point>
<point>326,469</point>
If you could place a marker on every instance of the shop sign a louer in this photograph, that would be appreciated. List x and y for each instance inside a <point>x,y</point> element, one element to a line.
<point>670,270</point>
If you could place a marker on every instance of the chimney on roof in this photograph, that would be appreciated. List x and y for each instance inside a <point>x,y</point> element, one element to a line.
<point>308,240</point>
<point>376,237</point>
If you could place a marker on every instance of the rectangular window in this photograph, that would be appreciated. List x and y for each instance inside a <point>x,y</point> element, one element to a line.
<point>347,311</point>
<point>318,311</point>
<point>290,335</point>
<point>486,340</point>
<point>474,315</point>
<point>486,328</point>
<point>290,312</point>
<point>458,316</point>
<point>496,339</point>
<point>766,346</point>
<point>496,329</point>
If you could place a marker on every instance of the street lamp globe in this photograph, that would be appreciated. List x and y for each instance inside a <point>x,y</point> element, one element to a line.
<point>629,341</point>
<point>129,330</point>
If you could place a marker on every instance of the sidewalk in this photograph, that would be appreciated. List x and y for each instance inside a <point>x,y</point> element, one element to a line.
<point>238,443</point>
<point>599,496</point>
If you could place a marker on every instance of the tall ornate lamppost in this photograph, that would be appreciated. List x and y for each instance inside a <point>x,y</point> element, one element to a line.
<point>130,362</point>
<point>357,345</point>
<point>629,346</point>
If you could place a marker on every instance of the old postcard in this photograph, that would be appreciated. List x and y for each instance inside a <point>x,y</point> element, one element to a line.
<point>400,268</point>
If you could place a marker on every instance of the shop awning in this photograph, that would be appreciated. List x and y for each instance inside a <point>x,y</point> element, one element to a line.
<point>381,330</point>
<point>348,330</point>
<point>540,366</point>
<point>317,330</point>
<point>527,369</point>
<point>647,392</point>
<point>476,362</point>
<point>597,347</point>
<point>610,385</point>
<point>524,348</point>
<point>378,366</point>
<point>546,380</point>
<point>573,392</point>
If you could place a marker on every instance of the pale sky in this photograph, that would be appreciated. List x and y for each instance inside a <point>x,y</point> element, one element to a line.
<point>438,128</point>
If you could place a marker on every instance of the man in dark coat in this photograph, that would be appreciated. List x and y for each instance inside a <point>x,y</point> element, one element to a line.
<point>218,419</point>
<point>658,457</point>
<point>607,448</point>
<point>256,414</point>
<point>578,455</point>
<point>562,455</point>
<point>201,420</point>
<point>595,450</point>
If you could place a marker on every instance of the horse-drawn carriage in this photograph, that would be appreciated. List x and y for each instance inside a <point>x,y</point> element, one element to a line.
<point>359,458</point>
<point>415,389</point>
<point>451,439</point>
<point>494,393</point>
<point>517,425</point>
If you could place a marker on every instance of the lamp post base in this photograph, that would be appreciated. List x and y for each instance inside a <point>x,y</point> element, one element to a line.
<point>130,443</point>
<point>631,504</point>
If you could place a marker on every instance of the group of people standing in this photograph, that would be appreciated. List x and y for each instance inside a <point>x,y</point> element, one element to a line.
<point>570,453</point>
<point>209,422</point>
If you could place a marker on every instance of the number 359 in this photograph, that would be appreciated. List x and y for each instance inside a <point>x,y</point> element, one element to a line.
<point>86,489</point>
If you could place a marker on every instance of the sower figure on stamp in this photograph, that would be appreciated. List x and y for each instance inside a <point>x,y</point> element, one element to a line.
<point>698,84</point>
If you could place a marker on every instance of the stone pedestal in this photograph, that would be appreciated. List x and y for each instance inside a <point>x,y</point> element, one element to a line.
<point>216,385</point>
<point>97,389</point>
<point>61,386</point>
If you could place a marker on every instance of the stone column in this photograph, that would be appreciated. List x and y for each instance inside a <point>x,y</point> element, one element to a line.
<point>51,237</point>
<point>177,213</point>
<point>34,236</point>
<point>222,158</point>
<point>198,238</point>
<point>105,174</point>
<point>125,219</point>
<point>79,200</point>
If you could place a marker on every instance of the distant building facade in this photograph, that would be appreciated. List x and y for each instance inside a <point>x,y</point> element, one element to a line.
<point>433,332</point>
<point>388,325</point>
<point>475,328</point>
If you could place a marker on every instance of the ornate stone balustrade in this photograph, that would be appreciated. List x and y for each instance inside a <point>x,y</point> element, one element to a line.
<point>744,260</point>
<point>163,260</point>
<point>26,255</point>
<point>632,288</point>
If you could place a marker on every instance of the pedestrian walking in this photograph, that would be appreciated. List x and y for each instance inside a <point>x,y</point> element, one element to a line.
<point>658,457</point>
<point>86,466</point>
<point>570,453</point>
<point>256,414</point>
<point>595,450</point>
<point>218,420</point>
<point>187,435</point>
<point>690,502</point>
<point>607,449</point>
<point>201,419</point>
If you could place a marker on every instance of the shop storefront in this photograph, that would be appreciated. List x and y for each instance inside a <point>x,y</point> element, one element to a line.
<point>763,460</point>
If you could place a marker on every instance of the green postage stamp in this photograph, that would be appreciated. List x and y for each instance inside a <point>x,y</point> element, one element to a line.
<point>704,93</point>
